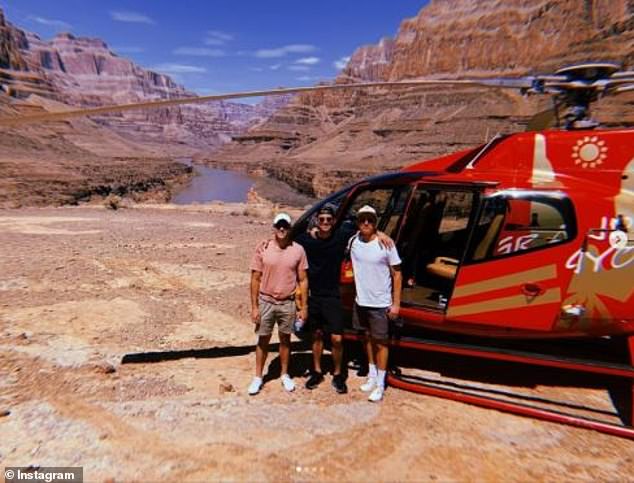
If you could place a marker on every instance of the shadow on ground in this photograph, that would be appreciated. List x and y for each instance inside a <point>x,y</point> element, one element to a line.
<point>459,373</point>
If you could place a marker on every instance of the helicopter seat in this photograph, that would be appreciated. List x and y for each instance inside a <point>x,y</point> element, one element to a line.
<point>444,267</point>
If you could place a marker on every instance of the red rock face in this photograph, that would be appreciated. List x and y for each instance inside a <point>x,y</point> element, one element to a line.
<point>85,68</point>
<point>10,44</point>
<point>358,133</point>
<point>129,154</point>
<point>84,72</point>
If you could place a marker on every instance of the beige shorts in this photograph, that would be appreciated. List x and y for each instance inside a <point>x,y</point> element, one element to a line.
<point>282,313</point>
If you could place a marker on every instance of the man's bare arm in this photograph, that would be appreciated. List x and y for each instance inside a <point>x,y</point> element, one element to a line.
<point>397,280</point>
<point>303,289</point>
<point>256,278</point>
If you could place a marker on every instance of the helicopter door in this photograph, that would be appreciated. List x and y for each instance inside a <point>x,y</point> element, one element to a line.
<point>517,254</point>
<point>432,242</point>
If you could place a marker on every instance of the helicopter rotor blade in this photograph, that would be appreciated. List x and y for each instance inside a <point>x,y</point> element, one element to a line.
<point>625,88</point>
<point>625,73</point>
<point>73,113</point>
<point>565,82</point>
<point>621,80</point>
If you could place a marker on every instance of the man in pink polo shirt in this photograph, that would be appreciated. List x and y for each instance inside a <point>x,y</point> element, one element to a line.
<point>277,268</point>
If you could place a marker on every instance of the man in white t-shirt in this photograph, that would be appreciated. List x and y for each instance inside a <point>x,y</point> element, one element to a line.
<point>377,277</point>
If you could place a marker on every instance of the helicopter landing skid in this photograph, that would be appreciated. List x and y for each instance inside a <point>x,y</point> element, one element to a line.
<point>398,380</point>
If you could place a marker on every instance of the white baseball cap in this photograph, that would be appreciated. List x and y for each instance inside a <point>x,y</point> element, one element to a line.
<point>282,217</point>
<point>367,209</point>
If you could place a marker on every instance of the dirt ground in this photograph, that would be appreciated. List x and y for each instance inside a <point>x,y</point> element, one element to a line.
<point>85,289</point>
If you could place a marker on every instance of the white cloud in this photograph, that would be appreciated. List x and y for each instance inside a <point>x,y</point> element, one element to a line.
<point>275,66</point>
<point>199,52</point>
<point>308,60</point>
<point>307,78</point>
<point>341,63</point>
<point>216,37</point>
<point>169,68</point>
<point>299,68</point>
<point>128,50</point>
<point>131,17</point>
<point>49,22</point>
<point>285,50</point>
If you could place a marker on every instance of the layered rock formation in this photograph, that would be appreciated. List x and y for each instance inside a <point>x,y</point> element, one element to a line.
<point>88,74</point>
<point>62,162</point>
<point>345,135</point>
<point>66,162</point>
<point>84,72</point>
<point>10,43</point>
<point>15,76</point>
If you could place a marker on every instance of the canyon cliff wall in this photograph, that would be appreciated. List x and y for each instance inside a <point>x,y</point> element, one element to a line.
<point>84,72</point>
<point>355,133</point>
<point>127,153</point>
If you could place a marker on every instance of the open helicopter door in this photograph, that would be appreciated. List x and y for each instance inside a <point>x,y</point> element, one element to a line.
<point>514,269</point>
<point>432,242</point>
<point>430,224</point>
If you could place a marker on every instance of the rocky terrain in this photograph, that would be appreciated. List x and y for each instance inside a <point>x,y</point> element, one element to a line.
<point>320,141</point>
<point>125,340</point>
<point>84,72</point>
<point>126,348</point>
<point>88,74</point>
<point>67,162</point>
<point>128,154</point>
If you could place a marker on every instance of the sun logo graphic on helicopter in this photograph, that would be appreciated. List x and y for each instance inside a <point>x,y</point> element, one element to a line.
<point>589,152</point>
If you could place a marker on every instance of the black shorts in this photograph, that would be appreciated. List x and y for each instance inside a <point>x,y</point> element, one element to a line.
<point>371,320</point>
<point>325,313</point>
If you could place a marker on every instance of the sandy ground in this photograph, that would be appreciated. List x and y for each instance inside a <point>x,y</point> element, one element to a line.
<point>83,289</point>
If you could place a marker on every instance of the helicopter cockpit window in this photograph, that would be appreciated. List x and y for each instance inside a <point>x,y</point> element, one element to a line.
<point>514,224</point>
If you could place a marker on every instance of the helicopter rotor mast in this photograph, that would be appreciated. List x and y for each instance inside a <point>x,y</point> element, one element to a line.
<point>574,87</point>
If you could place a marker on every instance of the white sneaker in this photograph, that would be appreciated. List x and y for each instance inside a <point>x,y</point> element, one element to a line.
<point>255,386</point>
<point>288,383</point>
<point>368,385</point>
<point>376,395</point>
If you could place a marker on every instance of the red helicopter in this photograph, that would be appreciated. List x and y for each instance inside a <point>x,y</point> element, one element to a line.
<point>528,236</point>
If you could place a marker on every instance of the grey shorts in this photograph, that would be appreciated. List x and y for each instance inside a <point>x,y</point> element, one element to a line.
<point>371,320</point>
<point>283,314</point>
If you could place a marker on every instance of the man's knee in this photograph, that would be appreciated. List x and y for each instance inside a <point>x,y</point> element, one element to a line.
<point>285,339</point>
<point>336,339</point>
<point>263,341</point>
<point>380,342</point>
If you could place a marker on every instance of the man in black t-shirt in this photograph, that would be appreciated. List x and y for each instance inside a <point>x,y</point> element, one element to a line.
<point>325,250</point>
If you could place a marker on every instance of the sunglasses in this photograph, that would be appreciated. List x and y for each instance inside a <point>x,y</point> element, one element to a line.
<point>325,219</point>
<point>366,219</point>
<point>282,226</point>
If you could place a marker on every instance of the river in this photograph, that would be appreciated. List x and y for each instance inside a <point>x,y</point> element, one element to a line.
<point>211,184</point>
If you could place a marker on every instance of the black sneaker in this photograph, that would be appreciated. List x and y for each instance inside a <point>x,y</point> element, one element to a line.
<point>339,384</point>
<point>315,379</point>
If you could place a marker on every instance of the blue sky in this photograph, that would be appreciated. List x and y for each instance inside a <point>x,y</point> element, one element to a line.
<point>218,46</point>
